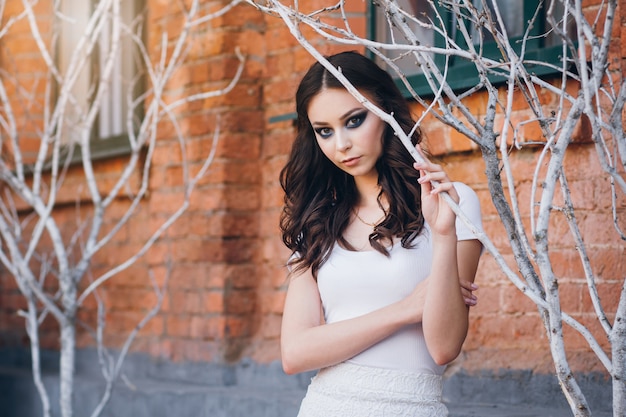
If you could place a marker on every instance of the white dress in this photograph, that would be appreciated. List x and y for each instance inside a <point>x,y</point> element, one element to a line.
<point>397,376</point>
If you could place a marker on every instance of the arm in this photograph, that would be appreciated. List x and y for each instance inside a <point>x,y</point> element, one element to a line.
<point>308,343</point>
<point>445,316</point>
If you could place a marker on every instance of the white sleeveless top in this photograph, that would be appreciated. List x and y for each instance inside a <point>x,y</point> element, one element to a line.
<point>353,283</point>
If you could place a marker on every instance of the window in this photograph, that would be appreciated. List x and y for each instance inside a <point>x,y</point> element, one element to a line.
<point>541,45</point>
<point>384,33</point>
<point>109,137</point>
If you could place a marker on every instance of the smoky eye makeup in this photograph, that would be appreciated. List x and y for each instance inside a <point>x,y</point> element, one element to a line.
<point>323,132</point>
<point>357,119</point>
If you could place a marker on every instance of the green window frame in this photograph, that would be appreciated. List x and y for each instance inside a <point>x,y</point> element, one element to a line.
<point>463,74</point>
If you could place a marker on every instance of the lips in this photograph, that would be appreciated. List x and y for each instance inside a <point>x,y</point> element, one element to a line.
<point>351,161</point>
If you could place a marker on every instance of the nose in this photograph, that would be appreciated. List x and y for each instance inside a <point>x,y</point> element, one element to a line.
<point>343,141</point>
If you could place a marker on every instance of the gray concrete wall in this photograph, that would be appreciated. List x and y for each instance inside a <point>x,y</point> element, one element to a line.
<point>164,389</point>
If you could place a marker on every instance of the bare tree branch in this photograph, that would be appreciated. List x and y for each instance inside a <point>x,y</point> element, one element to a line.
<point>37,252</point>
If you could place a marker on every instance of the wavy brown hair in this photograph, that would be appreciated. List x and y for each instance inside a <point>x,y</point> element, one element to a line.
<point>320,197</point>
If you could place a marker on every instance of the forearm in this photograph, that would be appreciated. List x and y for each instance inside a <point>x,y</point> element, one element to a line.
<point>328,344</point>
<point>445,317</point>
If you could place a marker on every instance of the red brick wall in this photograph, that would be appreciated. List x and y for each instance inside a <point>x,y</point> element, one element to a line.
<point>224,297</point>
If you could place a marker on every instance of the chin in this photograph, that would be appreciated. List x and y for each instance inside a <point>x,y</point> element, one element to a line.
<point>363,172</point>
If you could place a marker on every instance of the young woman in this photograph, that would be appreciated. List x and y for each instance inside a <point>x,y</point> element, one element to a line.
<point>381,276</point>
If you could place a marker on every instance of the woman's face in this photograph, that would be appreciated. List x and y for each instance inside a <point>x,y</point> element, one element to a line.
<point>346,132</point>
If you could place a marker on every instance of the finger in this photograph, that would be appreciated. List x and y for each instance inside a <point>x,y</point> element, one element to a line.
<point>447,187</point>
<point>468,294</point>
<point>467,289</point>
<point>438,188</point>
<point>423,180</point>
<point>470,302</point>
<point>433,173</point>
<point>468,285</point>
<point>438,176</point>
<point>433,177</point>
<point>424,159</point>
<point>429,166</point>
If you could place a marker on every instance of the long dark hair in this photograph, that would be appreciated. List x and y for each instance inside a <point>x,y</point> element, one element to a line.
<point>319,197</point>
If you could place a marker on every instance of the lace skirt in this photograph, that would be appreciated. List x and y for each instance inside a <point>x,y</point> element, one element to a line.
<point>349,390</point>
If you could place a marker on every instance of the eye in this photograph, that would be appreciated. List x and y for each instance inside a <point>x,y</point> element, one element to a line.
<point>356,120</point>
<point>324,132</point>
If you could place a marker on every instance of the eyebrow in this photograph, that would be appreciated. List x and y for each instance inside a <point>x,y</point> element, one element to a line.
<point>343,117</point>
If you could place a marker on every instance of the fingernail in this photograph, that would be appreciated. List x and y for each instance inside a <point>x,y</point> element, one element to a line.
<point>474,286</point>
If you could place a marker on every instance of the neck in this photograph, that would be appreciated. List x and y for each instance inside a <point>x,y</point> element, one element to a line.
<point>368,189</point>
